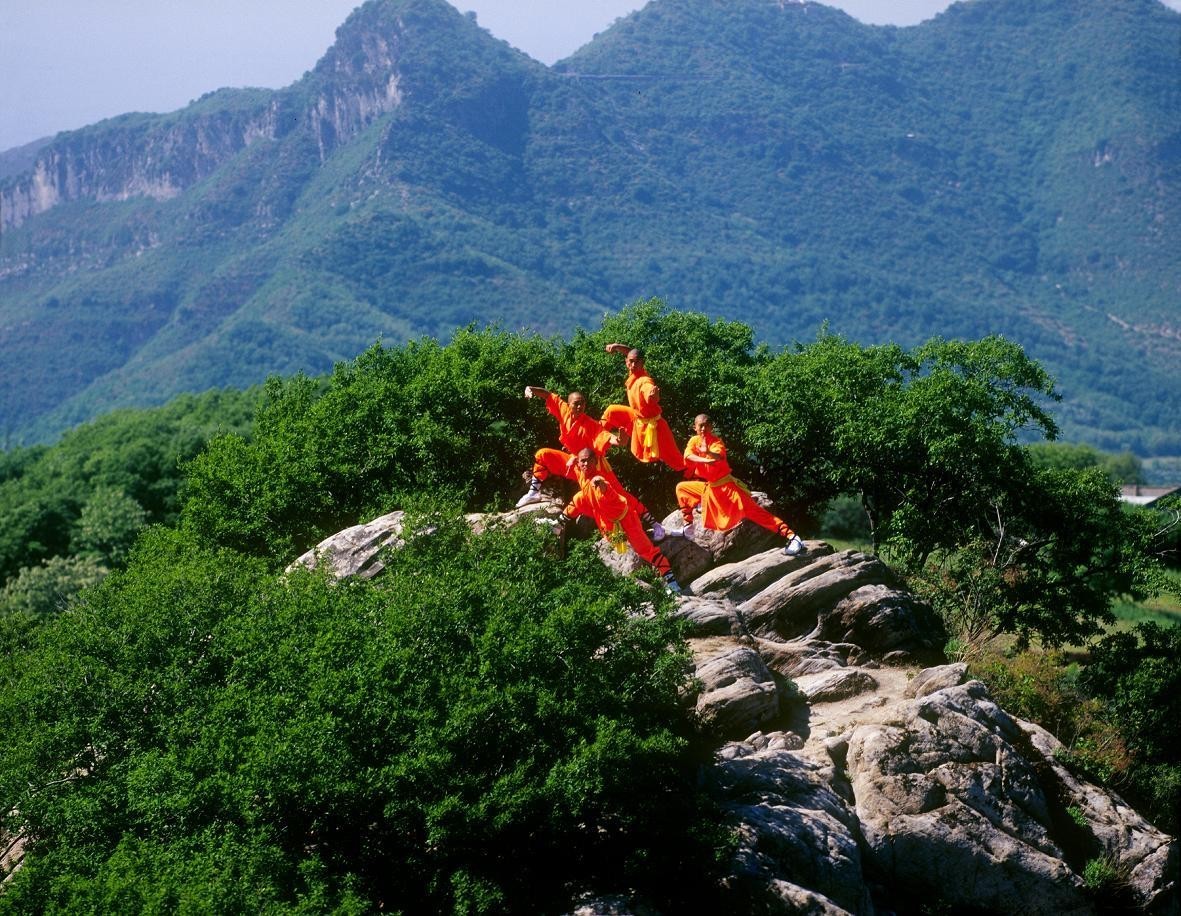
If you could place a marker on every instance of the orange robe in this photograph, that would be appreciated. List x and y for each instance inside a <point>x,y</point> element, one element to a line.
<point>640,418</point>
<point>612,512</point>
<point>575,432</point>
<point>724,500</point>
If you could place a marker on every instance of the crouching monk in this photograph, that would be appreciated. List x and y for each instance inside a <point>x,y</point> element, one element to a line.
<point>612,512</point>
<point>725,501</point>
<point>651,437</point>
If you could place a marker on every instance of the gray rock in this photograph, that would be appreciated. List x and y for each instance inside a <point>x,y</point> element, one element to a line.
<point>809,656</point>
<point>709,618</point>
<point>886,621</point>
<point>355,551</point>
<point>1149,861</point>
<point>798,840</point>
<point>746,578</point>
<point>738,693</point>
<point>831,686</point>
<point>932,679</point>
<point>957,799</point>
<point>792,606</point>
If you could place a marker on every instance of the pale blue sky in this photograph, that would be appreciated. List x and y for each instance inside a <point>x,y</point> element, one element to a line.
<point>68,63</point>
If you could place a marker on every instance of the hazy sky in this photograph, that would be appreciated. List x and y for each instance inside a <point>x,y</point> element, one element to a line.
<point>68,63</point>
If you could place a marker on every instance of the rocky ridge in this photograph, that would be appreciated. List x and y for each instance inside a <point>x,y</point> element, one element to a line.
<point>861,772</point>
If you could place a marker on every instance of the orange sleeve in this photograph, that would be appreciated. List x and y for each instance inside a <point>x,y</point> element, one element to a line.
<point>577,506</point>
<point>602,440</point>
<point>649,397</point>
<point>554,405</point>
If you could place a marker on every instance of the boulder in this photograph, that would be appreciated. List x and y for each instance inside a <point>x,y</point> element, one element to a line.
<point>832,686</point>
<point>798,849</point>
<point>355,551</point>
<point>745,578</point>
<point>886,621</point>
<point>802,657</point>
<point>738,693</point>
<point>955,787</point>
<point>792,606</point>
<point>709,618</point>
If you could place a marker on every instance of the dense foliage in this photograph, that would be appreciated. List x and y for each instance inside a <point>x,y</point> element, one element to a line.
<point>484,730</point>
<point>779,164</point>
<point>200,732</point>
<point>1119,715</point>
<point>927,440</point>
<point>72,510</point>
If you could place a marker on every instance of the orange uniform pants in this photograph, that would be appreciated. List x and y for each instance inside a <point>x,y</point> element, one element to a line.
<point>725,506</point>
<point>622,417</point>
<point>554,461</point>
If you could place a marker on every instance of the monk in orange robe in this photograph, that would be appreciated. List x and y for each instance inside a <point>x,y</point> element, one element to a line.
<point>576,430</point>
<point>640,418</point>
<point>609,507</point>
<point>725,501</point>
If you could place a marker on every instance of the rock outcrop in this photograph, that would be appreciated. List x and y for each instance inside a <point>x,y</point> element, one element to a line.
<point>860,775</point>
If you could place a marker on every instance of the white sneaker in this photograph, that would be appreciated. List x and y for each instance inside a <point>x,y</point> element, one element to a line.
<point>658,532</point>
<point>532,496</point>
<point>794,547</point>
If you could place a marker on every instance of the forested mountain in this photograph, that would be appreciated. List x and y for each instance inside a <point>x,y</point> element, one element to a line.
<point>1007,168</point>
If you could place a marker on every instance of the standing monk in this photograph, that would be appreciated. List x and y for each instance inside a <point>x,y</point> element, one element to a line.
<point>651,438</point>
<point>608,505</point>
<point>724,500</point>
<point>576,431</point>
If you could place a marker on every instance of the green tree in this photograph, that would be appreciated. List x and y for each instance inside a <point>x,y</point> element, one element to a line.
<point>1122,468</point>
<point>422,418</point>
<point>1137,677</point>
<point>108,526</point>
<point>40,591</point>
<point>1057,549</point>
<point>924,437</point>
<point>506,729</point>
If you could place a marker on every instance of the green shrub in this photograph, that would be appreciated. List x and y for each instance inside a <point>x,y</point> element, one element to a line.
<point>483,729</point>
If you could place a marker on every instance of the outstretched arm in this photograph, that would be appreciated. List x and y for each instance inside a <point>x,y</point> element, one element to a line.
<point>618,348</point>
<point>532,391</point>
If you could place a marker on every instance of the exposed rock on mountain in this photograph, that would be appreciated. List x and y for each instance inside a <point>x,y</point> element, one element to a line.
<point>857,778</point>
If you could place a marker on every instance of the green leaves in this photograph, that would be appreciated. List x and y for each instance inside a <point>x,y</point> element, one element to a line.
<point>503,726</point>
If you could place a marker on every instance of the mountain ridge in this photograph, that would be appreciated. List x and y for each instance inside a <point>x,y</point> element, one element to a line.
<point>781,164</point>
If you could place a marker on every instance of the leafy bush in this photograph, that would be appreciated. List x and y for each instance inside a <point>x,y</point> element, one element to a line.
<point>92,491</point>
<point>1040,687</point>
<point>421,418</point>
<point>1057,548</point>
<point>1137,678</point>
<point>482,730</point>
<point>40,591</point>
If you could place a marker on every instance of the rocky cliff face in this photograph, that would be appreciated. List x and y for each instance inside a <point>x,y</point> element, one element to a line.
<point>162,156</point>
<point>862,775</point>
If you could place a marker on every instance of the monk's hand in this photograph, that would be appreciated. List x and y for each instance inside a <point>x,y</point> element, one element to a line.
<point>528,391</point>
<point>614,440</point>
<point>599,484</point>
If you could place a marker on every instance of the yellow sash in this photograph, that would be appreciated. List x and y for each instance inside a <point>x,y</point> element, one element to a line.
<point>729,478</point>
<point>647,432</point>
<point>617,538</point>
